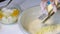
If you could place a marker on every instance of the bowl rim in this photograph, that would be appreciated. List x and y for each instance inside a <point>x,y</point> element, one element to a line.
<point>20,24</point>
<point>19,20</point>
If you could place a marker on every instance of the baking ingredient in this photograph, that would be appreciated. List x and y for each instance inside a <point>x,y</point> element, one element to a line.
<point>15,12</point>
<point>1,14</point>
<point>36,27</point>
<point>9,16</point>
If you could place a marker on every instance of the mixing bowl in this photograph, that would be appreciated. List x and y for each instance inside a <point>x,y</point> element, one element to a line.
<point>30,14</point>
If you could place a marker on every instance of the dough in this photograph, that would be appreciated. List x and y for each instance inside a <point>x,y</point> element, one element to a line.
<point>36,27</point>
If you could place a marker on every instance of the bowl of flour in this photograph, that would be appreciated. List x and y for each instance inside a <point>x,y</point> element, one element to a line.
<point>30,23</point>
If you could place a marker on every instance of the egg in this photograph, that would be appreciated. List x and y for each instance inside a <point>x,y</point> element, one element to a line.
<point>8,20</point>
<point>15,12</point>
<point>1,15</point>
<point>9,16</point>
<point>7,11</point>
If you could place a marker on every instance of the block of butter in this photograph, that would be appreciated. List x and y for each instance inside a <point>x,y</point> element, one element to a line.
<point>49,7</point>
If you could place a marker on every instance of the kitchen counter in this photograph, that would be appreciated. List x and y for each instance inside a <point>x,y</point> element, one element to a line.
<point>10,29</point>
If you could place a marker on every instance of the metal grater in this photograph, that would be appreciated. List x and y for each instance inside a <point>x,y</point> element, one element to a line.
<point>45,17</point>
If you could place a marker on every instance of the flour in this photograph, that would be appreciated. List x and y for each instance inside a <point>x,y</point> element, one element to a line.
<point>36,27</point>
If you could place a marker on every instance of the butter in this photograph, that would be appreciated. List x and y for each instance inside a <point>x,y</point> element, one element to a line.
<point>51,29</point>
<point>49,7</point>
<point>47,29</point>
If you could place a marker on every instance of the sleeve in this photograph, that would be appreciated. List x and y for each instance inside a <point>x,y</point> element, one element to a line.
<point>41,6</point>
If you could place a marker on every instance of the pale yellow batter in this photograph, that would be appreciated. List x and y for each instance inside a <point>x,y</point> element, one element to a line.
<point>36,27</point>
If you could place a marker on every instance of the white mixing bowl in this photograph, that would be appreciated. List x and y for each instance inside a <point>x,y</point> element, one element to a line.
<point>31,14</point>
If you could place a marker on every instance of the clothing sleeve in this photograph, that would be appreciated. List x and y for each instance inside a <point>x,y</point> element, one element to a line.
<point>41,5</point>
